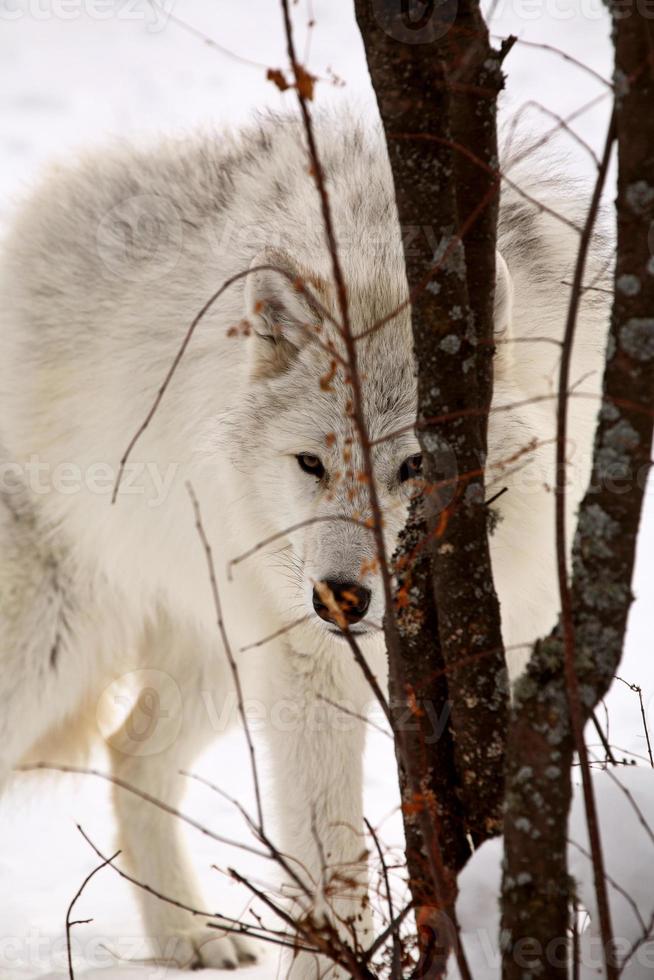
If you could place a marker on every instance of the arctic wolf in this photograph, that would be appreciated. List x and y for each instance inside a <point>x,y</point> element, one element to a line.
<point>102,272</point>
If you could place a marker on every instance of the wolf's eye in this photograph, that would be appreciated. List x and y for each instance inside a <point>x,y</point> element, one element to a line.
<point>410,468</point>
<point>311,464</point>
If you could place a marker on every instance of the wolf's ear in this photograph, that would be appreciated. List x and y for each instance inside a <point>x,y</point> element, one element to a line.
<point>282,317</point>
<point>503,298</point>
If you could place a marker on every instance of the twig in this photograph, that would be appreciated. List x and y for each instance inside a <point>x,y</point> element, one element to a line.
<point>300,286</point>
<point>209,41</point>
<point>339,518</point>
<point>603,739</point>
<point>354,714</point>
<point>334,947</point>
<point>281,858</point>
<point>561,54</point>
<point>472,217</point>
<point>228,649</point>
<point>647,934</point>
<point>637,810</point>
<point>116,781</point>
<point>639,691</point>
<point>282,631</point>
<point>79,922</point>
<point>547,136</point>
<point>397,946</point>
<point>224,923</point>
<point>499,175</point>
<point>373,683</point>
<point>567,613</point>
<point>383,936</point>
<point>614,884</point>
<point>562,124</point>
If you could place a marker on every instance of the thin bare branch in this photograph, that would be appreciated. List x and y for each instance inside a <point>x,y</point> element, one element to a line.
<point>79,922</point>
<point>277,855</point>
<point>197,319</point>
<point>552,49</point>
<point>129,788</point>
<point>291,529</point>
<point>397,945</point>
<point>637,689</point>
<point>228,649</point>
<point>567,615</point>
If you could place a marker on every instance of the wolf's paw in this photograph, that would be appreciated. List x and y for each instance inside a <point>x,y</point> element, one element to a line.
<point>208,948</point>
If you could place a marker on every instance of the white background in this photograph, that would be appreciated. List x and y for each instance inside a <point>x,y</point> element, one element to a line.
<point>73,74</point>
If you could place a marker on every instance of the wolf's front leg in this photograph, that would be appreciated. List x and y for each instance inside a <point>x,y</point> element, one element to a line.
<point>316,750</point>
<point>167,729</point>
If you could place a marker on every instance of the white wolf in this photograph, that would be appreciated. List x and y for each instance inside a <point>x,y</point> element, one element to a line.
<point>102,272</point>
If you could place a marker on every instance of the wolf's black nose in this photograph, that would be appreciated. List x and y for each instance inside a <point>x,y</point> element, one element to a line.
<point>352,599</point>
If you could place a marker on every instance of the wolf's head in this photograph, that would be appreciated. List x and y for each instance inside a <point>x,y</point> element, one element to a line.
<point>298,445</point>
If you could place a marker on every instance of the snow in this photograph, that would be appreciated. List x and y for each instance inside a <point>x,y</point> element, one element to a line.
<point>625,802</point>
<point>76,72</point>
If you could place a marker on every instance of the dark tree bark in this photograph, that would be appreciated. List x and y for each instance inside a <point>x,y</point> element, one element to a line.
<point>583,653</point>
<point>437,100</point>
<point>428,738</point>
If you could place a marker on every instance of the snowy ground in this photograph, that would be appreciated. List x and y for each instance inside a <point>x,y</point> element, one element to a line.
<point>73,72</point>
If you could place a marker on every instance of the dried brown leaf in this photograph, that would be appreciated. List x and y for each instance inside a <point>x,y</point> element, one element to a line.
<point>276,76</point>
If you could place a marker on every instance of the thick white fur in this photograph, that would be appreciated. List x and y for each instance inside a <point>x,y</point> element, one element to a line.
<point>103,270</point>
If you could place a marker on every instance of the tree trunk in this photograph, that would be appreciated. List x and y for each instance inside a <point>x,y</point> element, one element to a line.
<point>583,653</point>
<point>436,82</point>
